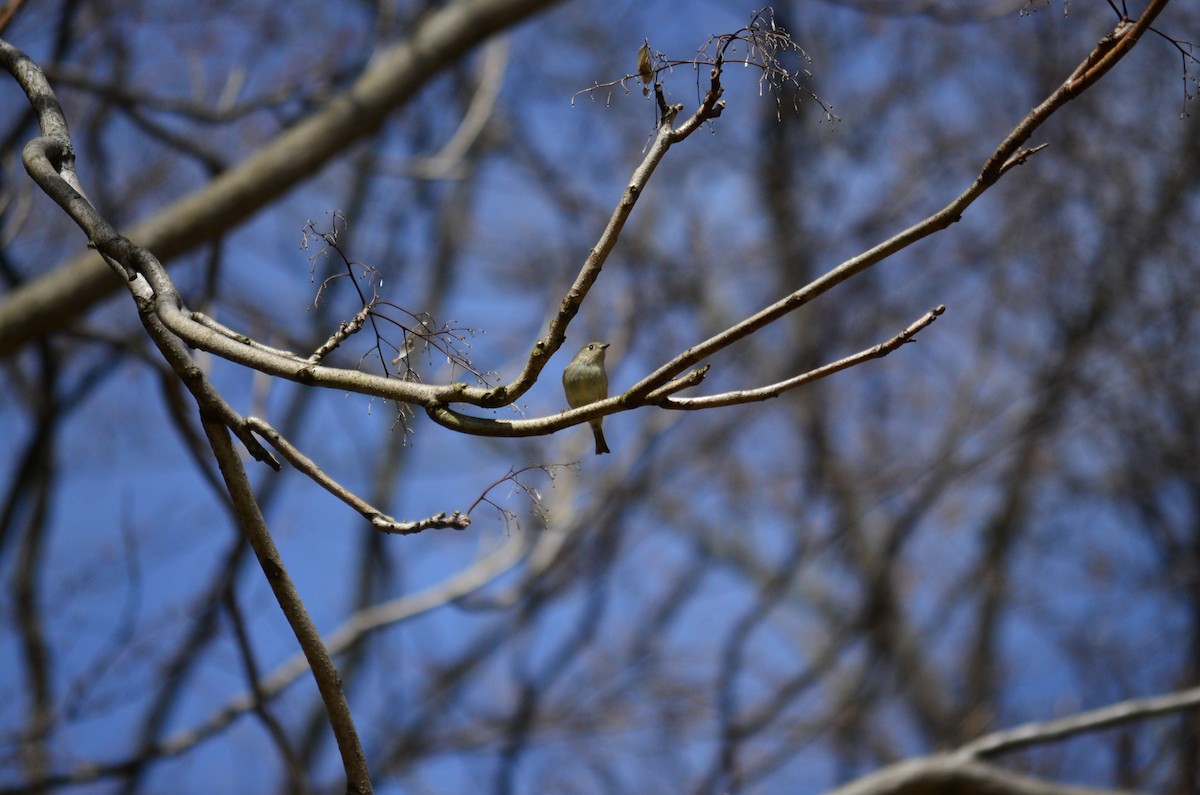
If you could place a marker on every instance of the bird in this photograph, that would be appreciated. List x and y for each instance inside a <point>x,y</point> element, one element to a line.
<point>584,382</point>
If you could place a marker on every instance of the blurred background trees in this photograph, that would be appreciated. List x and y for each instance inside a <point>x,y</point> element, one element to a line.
<point>995,525</point>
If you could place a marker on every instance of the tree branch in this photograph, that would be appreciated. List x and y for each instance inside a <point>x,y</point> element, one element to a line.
<point>950,775</point>
<point>1060,728</point>
<point>394,77</point>
<point>378,519</point>
<point>1007,155</point>
<point>354,761</point>
<point>775,390</point>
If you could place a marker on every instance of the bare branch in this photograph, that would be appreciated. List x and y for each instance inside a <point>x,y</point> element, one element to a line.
<point>354,761</point>
<point>357,626</point>
<point>378,519</point>
<point>949,774</point>
<point>1001,160</point>
<point>774,390</point>
<point>392,78</point>
<point>1134,709</point>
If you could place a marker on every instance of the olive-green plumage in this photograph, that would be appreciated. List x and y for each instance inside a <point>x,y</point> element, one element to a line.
<point>585,382</point>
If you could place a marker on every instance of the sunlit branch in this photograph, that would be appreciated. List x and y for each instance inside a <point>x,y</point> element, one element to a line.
<point>947,774</point>
<point>962,770</point>
<point>346,329</point>
<point>241,339</point>
<point>49,160</point>
<point>710,107</point>
<point>455,420</point>
<point>549,344</point>
<point>1008,154</point>
<point>774,390</point>
<point>447,417</point>
<point>393,76</point>
<point>210,401</point>
<point>378,519</point>
<point>251,521</point>
<point>1122,712</point>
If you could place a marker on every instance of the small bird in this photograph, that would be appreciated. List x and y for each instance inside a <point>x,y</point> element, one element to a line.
<point>645,68</point>
<point>585,382</point>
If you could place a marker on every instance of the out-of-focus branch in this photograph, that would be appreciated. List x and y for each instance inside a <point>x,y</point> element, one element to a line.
<point>544,550</point>
<point>1134,709</point>
<point>947,774</point>
<point>393,77</point>
<point>193,329</point>
<point>356,627</point>
<point>448,162</point>
<point>297,780</point>
<point>1003,159</point>
<point>225,109</point>
<point>963,771</point>
<point>9,12</point>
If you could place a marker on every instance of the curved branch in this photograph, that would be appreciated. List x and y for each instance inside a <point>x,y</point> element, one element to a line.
<point>1094,720</point>
<point>947,774</point>
<point>435,399</point>
<point>775,390</point>
<point>962,770</point>
<point>378,519</point>
<point>1006,156</point>
<point>394,76</point>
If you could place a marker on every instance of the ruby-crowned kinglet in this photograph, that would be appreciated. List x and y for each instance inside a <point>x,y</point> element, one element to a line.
<point>585,382</point>
<point>645,68</point>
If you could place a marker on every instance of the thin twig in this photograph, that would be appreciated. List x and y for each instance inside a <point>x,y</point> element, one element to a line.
<point>774,390</point>
<point>378,519</point>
